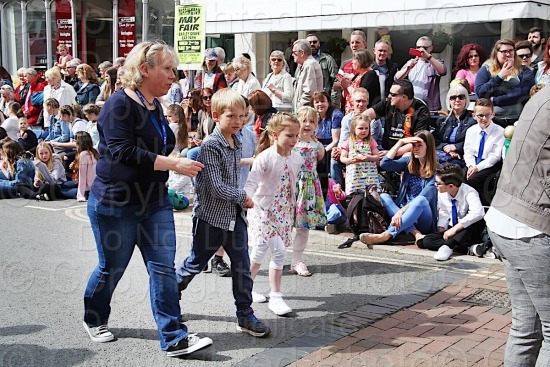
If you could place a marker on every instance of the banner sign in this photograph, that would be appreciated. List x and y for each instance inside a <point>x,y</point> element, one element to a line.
<point>64,24</point>
<point>126,26</point>
<point>189,29</point>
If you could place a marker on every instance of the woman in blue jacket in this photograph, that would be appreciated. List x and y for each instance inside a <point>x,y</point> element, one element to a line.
<point>414,211</point>
<point>504,81</point>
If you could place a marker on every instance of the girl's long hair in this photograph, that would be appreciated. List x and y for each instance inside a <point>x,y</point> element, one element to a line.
<point>49,163</point>
<point>13,152</point>
<point>84,143</point>
<point>277,123</point>
<point>415,166</point>
<point>354,121</point>
<point>177,110</point>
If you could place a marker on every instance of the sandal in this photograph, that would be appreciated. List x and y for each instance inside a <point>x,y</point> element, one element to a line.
<point>300,269</point>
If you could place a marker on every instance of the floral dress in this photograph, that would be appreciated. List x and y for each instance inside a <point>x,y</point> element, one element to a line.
<point>361,174</point>
<point>277,220</point>
<point>310,206</point>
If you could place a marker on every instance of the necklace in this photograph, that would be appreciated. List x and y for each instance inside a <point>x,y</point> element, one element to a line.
<point>152,104</point>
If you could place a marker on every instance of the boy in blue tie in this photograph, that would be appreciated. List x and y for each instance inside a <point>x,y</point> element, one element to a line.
<point>460,215</point>
<point>483,150</point>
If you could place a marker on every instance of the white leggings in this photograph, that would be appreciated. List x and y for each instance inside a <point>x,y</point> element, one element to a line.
<point>299,245</point>
<point>278,253</point>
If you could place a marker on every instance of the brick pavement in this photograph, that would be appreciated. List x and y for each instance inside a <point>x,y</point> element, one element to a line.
<point>442,330</point>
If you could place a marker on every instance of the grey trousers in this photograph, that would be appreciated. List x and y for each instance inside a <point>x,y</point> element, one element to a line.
<point>527,266</point>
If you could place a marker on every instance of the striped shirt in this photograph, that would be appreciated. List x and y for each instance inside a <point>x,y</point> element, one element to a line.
<point>217,192</point>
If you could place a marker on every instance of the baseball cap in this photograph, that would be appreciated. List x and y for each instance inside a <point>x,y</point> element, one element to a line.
<point>210,54</point>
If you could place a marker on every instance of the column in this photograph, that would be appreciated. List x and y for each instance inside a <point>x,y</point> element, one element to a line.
<point>49,53</point>
<point>246,42</point>
<point>3,38</point>
<point>145,20</point>
<point>115,29</point>
<point>74,49</point>
<point>508,29</point>
<point>24,35</point>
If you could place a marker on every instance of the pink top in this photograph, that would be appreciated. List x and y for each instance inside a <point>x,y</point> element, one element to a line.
<point>469,76</point>
<point>373,145</point>
<point>86,174</point>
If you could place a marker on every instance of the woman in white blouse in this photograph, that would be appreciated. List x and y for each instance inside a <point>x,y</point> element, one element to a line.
<point>58,89</point>
<point>278,85</point>
<point>247,82</point>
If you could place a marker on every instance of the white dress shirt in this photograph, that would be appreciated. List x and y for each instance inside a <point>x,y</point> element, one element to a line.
<point>492,153</point>
<point>468,205</point>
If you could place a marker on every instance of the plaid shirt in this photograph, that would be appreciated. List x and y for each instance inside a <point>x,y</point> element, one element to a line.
<point>217,192</point>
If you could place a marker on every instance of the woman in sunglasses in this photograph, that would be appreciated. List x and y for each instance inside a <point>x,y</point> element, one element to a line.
<point>278,84</point>
<point>451,132</point>
<point>469,60</point>
<point>504,81</point>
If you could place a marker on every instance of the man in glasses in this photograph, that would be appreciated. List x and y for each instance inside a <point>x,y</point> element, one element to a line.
<point>328,65</point>
<point>403,115</point>
<point>537,40</point>
<point>524,51</point>
<point>309,77</point>
<point>424,72</point>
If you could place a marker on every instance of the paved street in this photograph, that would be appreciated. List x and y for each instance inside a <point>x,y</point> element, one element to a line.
<point>48,253</point>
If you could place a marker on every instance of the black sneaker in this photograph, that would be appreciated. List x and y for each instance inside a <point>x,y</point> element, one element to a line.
<point>220,268</point>
<point>188,345</point>
<point>250,324</point>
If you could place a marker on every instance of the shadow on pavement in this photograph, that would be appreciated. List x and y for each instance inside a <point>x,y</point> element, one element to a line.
<point>35,355</point>
<point>21,330</point>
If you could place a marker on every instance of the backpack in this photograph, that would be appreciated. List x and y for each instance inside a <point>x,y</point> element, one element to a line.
<point>366,214</point>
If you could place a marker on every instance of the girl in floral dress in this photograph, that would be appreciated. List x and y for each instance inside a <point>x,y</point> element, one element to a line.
<point>271,184</point>
<point>310,206</point>
<point>360,154</point>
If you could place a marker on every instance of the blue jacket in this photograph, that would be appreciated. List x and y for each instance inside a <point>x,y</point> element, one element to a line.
<point>428,191</point>
<point>24,175</point>
<point>87,94</point>
<point>59,131</point>
<point>504,92</point>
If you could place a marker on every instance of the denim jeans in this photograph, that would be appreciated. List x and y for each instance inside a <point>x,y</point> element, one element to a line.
<point>206,241</point>
<point>527,267</point>
<point>417,216</point>
<point>336,169</point>
<point>117,230</point>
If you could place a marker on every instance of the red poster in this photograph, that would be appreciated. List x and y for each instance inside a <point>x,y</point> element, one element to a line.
<point>64,23</point>
<point>126,26</point>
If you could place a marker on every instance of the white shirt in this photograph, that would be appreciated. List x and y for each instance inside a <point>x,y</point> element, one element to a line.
<point>492,152</point>
<point>508,227</point>
<point>468,205</point>
<point>251,84</point>
<point>79,125</point>
<point>344,129</point>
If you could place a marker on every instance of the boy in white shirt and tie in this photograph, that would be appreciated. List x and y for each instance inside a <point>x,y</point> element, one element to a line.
<point>460,215</point>
<point>483,150</point>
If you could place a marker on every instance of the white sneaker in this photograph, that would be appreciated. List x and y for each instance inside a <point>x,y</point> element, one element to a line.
<point>279,306</point>
<point>99,334</point>
<point>188,345</point>
<point>258,297</point>
<point>443,253</point>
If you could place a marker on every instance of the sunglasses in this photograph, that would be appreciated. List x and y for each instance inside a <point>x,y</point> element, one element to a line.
<point>473,56</point>
<point>422,47</point>
<point>313,42</point>
<point>206,98</point>
<point>276,59</point>
<point>460,97</point>
<point>525,56</point>
<point>395,94</point>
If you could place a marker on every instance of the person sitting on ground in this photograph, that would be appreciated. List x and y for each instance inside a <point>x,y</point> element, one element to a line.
<point>461,214</point>
<point>17,172</point>
<point>51,180</point>
<point>26,137</point>
<point>414,210</point>
<point>483,149</point>
<point>451,130</point>
<point>11,124</point>
<point>91,112</point>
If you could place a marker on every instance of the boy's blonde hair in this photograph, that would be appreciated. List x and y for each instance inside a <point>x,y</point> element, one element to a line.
<point>226,98</point>
<point>354,121</point>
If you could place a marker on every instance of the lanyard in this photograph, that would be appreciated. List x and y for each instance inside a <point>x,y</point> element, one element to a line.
<point>161,127</point>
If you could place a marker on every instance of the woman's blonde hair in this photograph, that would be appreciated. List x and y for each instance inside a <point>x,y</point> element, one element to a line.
<point>53,73</point>
<point>277,123</point>
<point>495,66</point>
<point>49,163</point>
<point>354,121</point>
<point>241,62</point>
<point>145,53</point>
<point>415,166</point>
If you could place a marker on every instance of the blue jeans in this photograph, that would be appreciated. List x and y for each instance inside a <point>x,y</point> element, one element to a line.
<point>527,267</point>
<point>69,189</point>
<point>191,153</point>
<point>206,241</point>
<point>417,216</point>
<point>336,169</point>
<point>117,230</point>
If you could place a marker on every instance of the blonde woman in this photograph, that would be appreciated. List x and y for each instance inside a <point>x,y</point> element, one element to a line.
<point>504,81</point>
<point>63,92</point>
<point>129,201</point>
<point>247,82</point>
<point>279,84</point>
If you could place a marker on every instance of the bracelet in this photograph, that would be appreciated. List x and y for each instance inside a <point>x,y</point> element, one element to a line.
<point>429,57</point>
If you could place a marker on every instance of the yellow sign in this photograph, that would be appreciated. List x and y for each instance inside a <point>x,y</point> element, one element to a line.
<point>189,32</point>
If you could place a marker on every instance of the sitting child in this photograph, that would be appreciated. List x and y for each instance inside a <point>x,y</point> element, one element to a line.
<point>179,186</point>
<point>460,215</point>
<point>25,136</point>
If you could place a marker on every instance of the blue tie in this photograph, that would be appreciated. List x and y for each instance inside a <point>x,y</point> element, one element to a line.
<point>454,213</point>
<point>481,146</point>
